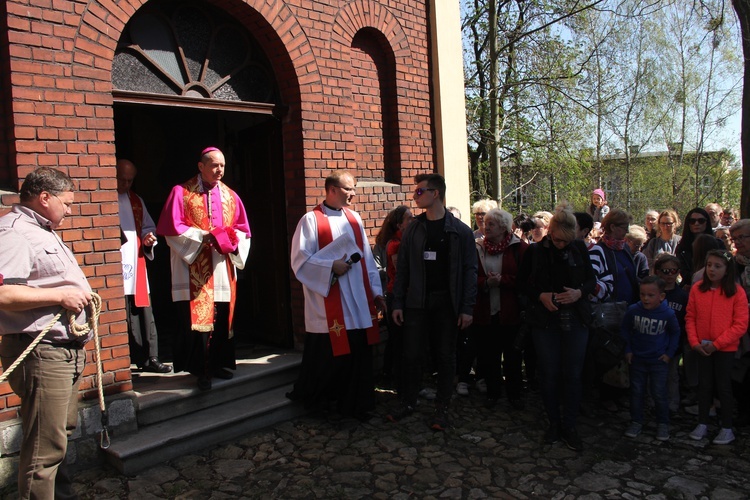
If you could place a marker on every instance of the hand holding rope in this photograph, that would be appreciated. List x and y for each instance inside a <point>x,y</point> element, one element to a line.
<point>95,306</point>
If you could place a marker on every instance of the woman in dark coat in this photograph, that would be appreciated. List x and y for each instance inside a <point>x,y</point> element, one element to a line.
<point>557,277</point>
<point>497,314</point>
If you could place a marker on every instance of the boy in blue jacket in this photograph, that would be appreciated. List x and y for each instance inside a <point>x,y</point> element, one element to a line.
<point>652,333</point>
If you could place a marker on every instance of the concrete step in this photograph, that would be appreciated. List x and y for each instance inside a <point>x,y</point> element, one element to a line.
<point>163,397</point>
<point>176,418</point>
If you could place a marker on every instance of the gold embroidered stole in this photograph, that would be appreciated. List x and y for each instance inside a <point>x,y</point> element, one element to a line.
<point>201,270</point>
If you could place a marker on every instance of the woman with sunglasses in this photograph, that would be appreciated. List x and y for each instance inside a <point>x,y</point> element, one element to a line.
<point>666,239</point>
<point>696,222</point>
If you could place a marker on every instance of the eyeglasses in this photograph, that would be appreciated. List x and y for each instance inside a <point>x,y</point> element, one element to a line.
<point>740,238</point>
<point>65,206</point>
<point>668,271</point>
<point>700,220</point>
<point>666,223</point>
<point>421,191</point>
<point>480,214</point>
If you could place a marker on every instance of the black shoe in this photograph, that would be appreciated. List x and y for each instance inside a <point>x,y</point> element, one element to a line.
<point>222,373</point>
<point>571,439</point>
<point>400,413</point>
<point>155,366</point>
<point>204,383</point>
<point>552,435</point>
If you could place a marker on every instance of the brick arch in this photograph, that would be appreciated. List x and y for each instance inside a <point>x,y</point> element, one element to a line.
<point>361,14</point>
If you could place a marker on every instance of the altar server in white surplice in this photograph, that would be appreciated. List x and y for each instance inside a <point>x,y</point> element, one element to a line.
<point>138,242</point>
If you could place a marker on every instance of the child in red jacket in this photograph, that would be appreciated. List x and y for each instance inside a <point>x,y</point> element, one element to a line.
<point>717,317</point>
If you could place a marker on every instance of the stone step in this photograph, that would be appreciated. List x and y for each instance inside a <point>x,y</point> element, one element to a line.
<point>175,417</point>
<point>163,397</point>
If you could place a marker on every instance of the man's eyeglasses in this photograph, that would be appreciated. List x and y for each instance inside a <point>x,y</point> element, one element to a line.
<point>669,272</point>
<point>480,214</point>
<point>66,206</point>
<point>421,191</point>
<point>700,220</point>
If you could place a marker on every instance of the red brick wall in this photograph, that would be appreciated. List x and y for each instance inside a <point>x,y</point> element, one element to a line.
<point>60,61</point>
<point>7,176</point>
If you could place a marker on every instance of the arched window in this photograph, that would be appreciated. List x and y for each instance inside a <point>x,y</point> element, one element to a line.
<point>191,50</point>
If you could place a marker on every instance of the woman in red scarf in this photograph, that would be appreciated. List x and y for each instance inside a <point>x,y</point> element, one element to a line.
<point>497,316</point>
<point>389,236</point>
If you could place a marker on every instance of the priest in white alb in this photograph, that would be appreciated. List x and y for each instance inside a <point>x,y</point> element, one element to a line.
<point>332,259</point>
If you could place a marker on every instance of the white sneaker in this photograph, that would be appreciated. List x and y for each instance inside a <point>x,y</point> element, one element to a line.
<point>699,432</point>
<point>482,386</point>
<point>462,389</point>
<point>725,436</point>
<point>693,410</point>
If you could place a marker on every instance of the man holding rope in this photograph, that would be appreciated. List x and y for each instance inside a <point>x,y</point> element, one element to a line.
<point>38,276</point>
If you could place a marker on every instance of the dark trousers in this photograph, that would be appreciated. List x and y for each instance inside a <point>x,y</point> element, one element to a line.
<point>345,380</point>
<point>393,348</point>
<point>561,355</point>
<point>201,352</point>
<point>47,383</point>
<point>715,371</point>
<point>142,335</point>
<point>436,326</point>
<point>653,373</point>
<point>467,350</point>
<point>498,355</point>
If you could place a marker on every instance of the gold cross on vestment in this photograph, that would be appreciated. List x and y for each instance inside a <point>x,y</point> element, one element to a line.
<point>337,327</point>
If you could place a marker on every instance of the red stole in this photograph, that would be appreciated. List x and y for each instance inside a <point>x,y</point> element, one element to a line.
<point>141,282</point>
<point>201,270</point>
<point>334,309</point>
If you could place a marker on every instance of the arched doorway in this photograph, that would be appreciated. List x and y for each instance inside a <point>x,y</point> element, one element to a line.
<point>187,75</point>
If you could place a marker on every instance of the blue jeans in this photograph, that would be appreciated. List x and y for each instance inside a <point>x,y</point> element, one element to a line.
<point>561,354</point>
<point>434,327</point>
<point>655,374</point>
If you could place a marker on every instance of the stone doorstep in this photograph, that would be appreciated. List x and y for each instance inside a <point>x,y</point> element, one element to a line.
<point>166,440</point>
<point>175,417</point>
<point>162,397</point>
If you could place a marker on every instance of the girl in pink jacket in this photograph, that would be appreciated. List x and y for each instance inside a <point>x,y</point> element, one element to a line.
<point>716,318</point>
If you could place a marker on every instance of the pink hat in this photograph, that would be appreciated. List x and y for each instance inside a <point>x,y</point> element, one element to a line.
<point>600,193</point>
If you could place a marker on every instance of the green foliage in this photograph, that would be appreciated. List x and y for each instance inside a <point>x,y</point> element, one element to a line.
<point>576,90</point>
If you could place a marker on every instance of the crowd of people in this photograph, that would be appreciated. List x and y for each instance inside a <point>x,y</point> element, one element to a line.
<point>554,292</point>
<point>582,306</point>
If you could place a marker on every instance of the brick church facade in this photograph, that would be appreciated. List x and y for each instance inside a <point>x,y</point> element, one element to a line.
<point>288,90</point>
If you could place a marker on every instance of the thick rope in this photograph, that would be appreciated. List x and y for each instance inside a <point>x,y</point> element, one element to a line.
<point>95,306</point>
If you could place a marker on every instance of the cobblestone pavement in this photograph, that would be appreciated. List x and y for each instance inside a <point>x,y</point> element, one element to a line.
<point>486,454</point>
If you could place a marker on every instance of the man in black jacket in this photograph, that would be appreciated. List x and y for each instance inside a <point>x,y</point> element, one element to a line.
<point>434,294</point>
